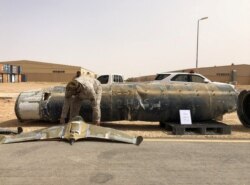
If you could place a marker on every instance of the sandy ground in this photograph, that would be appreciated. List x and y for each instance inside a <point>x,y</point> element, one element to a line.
<point>9,92</point>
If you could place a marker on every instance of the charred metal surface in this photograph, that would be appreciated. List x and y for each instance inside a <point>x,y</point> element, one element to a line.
<point>136,101</point>
<point>243,109</point>
<point>73,131</point>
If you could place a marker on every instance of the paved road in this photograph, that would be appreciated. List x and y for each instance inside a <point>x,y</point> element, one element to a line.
<point>152,163</point>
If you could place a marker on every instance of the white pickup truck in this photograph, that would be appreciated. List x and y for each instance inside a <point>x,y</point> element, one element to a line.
<point>110,78</point>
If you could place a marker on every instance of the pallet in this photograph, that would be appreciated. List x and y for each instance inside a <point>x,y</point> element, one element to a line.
<point>206,128</point>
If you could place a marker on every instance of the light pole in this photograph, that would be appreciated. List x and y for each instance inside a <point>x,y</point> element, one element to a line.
<point>197,46</point>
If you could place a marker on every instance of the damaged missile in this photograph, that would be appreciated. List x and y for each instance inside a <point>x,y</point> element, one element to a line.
<point>136,101</point>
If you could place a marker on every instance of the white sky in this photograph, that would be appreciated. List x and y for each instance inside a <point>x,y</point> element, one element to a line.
<point>131,37</point>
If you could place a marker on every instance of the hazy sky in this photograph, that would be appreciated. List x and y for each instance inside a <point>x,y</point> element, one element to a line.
<point>131,37</point>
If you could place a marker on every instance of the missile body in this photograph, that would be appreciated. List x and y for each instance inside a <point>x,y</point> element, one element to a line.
<point>136,101</point>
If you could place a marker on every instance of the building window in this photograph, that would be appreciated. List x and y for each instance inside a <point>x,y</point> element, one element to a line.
<point>58,71</point>
<point>222,74</point>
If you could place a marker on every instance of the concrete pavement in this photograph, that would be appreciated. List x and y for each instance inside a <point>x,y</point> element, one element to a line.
<point>152,163</point>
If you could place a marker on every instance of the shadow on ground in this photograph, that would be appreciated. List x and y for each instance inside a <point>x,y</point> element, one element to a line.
<point>141,127</point>
<point>118,126</point>
<point>16,123</point>
<point>130,127</point>
<point>240,128</point>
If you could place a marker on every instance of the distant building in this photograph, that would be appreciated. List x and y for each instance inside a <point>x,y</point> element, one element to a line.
<point>236,74</point>
<point>33,71</point>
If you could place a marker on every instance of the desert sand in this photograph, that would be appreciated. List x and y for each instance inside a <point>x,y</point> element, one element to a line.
<point>10,91</point>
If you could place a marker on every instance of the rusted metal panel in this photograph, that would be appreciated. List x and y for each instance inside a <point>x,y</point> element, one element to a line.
<point>6,78</point>
<point>1,78</point>
<point>1,68</point>
<point>138,101</point>
<point>19,78</point>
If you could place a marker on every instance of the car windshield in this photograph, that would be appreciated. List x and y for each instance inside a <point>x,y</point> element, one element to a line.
<point>103,79</point>
<point>161,76</point>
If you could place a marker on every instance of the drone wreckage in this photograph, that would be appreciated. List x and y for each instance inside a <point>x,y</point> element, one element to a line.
<point>73,131</point>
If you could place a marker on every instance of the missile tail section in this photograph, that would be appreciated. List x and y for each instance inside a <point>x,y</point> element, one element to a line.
<point>243,109</point>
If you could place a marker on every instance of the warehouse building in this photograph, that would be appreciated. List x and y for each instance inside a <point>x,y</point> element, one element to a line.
<point>33,71</point>
<point>235,74</point>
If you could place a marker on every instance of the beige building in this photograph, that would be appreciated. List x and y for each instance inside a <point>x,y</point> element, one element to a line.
<point>237,74</point>
<point>33,71</point>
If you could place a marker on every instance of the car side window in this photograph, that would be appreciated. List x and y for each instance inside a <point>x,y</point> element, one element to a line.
<point>117,78</point>
<point>120,79</point>
<point>161,76</point>
<point>197,79</point>
<point>103,79</point>
<point>188,78</point>
<point>180,78</point>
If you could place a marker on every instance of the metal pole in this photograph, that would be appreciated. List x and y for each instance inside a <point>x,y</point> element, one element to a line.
<point>197,45</point>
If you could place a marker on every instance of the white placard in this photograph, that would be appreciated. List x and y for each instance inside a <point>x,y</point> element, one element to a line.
<point>185,117</point>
